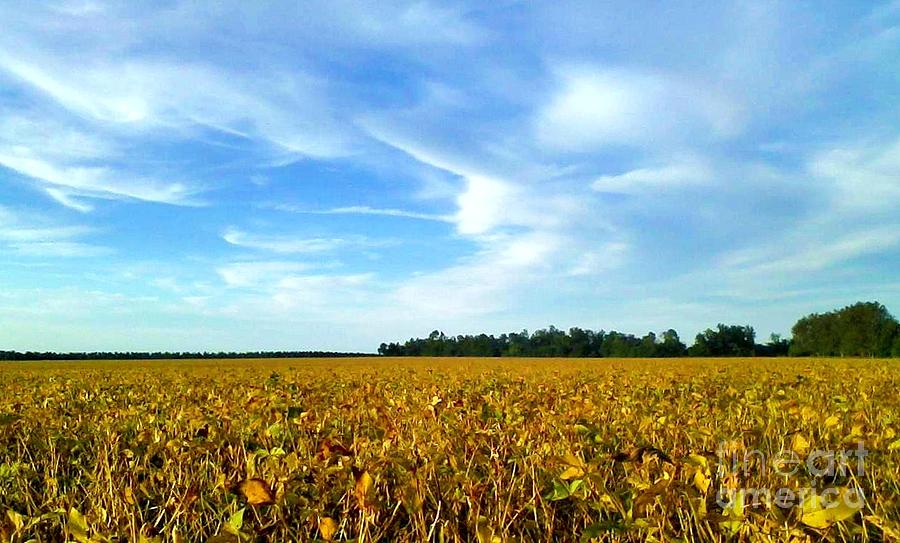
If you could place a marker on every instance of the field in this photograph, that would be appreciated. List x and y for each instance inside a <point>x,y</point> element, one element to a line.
<point>484,450</point>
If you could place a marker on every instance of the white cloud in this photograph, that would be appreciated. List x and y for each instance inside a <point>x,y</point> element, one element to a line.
<point>527,226</point>
<point>27,130</point>
<point>485,204</point>
<point>259,274</point>
<point>67,200</point>
<point>489,201</point>
<point>281,244</point>
<point>288,112</point>
<point>607,257</point>
<point>67,162</point>
<point>678,174</point>
<point>417,23</point>
<point>97,182</point>
<point>311,283</point>
<point>482,283</point>
<point>385,212</point>
<point>801,255</point>
<point>862,177</point>
<point>597,106</point>
<point>25,235</point>
<point>74,122</point>
<point>275,291</point>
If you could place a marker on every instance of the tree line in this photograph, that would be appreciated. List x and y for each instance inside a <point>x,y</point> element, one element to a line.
<point>161,355</point>
<point>862,329</point>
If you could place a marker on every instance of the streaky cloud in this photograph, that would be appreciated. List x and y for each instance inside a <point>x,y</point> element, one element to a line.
<point>366,210</point>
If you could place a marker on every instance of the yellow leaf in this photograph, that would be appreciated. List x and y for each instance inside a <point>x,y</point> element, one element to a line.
<point>698,460</point>
<point>821,510</point>
<point>832,421</point>
<point>77,526</point>
<point>257,492</point>
<point>800,445</point>
<point>571,472</point>
<point>701,481</point>
<point>885,526</point>
<point>570,459</point>
<point>894,446</point>
<point>608,503</point>
<point>16,519</point>
<point>363,486</point>
<point>327,527</point>
<point>485,533</point>
<point>808,413</point>
<point>129,496</point>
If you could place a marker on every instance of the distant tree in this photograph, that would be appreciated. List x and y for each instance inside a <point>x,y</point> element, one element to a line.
<point>671,345</point>
<point>861,329</point>
<point>776,346</point>
<point>519,344</point>
<point>648,346</point>
<point>725,340</point>
<point>579,342</point>
<point>619,345</point>
<point>866,329</point>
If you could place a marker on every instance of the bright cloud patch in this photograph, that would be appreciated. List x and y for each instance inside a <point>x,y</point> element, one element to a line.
<point>601,106</point>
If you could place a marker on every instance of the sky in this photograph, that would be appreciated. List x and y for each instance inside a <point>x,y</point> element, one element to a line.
<point>334,174</point>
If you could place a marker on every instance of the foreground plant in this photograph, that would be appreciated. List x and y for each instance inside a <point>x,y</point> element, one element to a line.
<point>446,450</point>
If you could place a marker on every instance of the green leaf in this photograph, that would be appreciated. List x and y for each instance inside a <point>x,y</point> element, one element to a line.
<point>575,486</point>
<point>276,430</point>
<point>560,492</point>
<point>734,512</point>
<point>235,522</point>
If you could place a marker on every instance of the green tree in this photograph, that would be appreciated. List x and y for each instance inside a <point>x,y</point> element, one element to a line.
<point>648,346</point>
<point>725,340</point>
<point>671,345</point>
<point>861,329</point>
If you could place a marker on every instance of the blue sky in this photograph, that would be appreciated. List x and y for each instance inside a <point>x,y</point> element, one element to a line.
<point>329,175</point>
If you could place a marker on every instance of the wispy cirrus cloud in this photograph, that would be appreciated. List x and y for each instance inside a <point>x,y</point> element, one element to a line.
<point>863,177</point>
<point>259,273</point>
<point>289,112</point>
<point>366,210</point>
<point>280,243</point>
<point>92,182</point>
<point>26,235</point>
<point>293,244</point>
<point>679,173</point>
